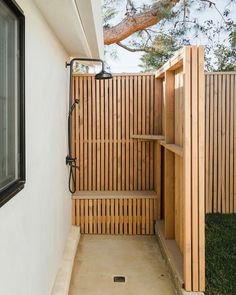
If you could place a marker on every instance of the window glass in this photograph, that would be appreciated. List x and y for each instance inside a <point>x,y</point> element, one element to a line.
<point>9,97</point>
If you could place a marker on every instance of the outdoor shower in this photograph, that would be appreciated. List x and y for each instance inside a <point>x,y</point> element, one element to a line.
<point>102,75</point>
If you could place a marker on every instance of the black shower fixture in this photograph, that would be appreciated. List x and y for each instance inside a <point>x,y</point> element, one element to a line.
<point>102,75</point>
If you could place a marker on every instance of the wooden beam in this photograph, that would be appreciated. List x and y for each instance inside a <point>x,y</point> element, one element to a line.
<point>201,133</point>
<point>147,137</point>
<point>169,157</point>
<point>187,253</point>
<point>85,195</point>
<point>169,196</point>
<point>173,63</point>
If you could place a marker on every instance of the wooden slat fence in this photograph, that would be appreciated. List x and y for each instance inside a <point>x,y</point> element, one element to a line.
<point>110,112</point>
<point>111,156</point>
<point>220,190</point>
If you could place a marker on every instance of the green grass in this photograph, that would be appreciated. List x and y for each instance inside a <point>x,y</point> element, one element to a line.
<point>220,254</point>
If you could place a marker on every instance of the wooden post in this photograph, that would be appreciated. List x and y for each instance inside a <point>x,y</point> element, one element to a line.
<point>169,157</point>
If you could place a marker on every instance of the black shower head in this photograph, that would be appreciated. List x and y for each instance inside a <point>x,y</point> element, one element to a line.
<point>100,76</point>
<point>103,75</point>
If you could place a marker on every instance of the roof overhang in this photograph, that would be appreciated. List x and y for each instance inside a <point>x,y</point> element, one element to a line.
<point>77,24</point>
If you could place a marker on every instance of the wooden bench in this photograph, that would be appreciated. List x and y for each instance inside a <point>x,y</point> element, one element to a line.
<point>115,212</point>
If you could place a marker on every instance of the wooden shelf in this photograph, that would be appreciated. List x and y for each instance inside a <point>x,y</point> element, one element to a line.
<point>85,195</point>
<point>147,137</point>
<point>174,148</point>
<point>162,143</point>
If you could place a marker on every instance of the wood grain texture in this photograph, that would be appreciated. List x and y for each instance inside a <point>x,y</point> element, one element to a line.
<point>126,130</point>
<point>111,119</point>
<point>116,216</point>
<point>220,142</point>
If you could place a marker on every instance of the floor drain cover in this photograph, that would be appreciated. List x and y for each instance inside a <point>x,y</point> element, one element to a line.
<point>119,279</point>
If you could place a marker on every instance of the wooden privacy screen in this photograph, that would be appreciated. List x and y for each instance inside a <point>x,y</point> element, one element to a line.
<point>115,145</point>
<point>113,213</point>
<point>220,142</point>
<point>109,114</point>
<point>181,82</point>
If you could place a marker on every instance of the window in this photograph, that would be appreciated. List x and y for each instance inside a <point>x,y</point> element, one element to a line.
<point>12,145</point>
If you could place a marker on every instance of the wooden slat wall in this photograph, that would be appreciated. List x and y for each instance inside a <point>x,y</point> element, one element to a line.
<point>132,216</point>
<point>220,188</point>
<point>110,112</point>
<point>194,164</point>
<point>183,124</point>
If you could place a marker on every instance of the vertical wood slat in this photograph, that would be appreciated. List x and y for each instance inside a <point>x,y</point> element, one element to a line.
<point>94,135</point>
<point>131,131</point>
<point>110,93</point>
<point>125,203</point>
<point>187,257</point>
<point>207,115</point>
<point>231,148</point>
<point>219,132</point>
<point>98,136</point>
<point>90,129</point>
<point>127,132</point>
<point>81,132</point>
<point>139,120</point>
<point>102,114</point>
<point>169,156</point>
<point>114,101</point>
<point>86,216</point>
<point>147,131</point>
<point>76,130</point>
<point>223,147</point>
<point>135,132</point>
<point>99,217</point>
<point>227,145</point>
<point>85,124</point>
<point>201,158</point>
<point>119,160</point>
<point>112,216</point>
<point>106,131</point>
<point>215,118</point>
<point>115,216</point>
<point>123,122</point>
<point>154,114</point>
<point>195,163</point>
<point>143,131</point>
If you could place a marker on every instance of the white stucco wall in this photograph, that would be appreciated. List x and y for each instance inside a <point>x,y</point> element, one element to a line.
<point>35,223</point>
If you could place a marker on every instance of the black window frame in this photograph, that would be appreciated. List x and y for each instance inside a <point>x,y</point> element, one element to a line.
<point>11,190</point>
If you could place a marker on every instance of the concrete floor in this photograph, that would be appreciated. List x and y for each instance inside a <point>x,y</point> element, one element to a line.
<point>138,258</point>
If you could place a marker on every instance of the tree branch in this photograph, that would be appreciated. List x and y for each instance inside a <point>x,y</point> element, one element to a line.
<point>211,3</point>
<point>137,22</point>
<point>132,49</point>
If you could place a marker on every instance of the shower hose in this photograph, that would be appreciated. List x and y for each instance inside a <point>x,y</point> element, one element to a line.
<point>69,159</point>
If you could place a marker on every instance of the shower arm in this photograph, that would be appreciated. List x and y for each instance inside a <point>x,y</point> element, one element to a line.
<point>71,63</point>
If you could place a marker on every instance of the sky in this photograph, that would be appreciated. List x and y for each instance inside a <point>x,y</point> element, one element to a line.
<point>129,61</point>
